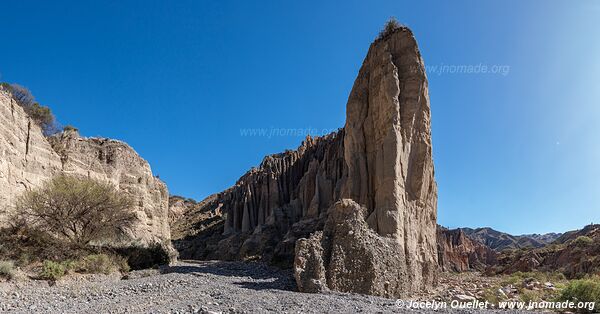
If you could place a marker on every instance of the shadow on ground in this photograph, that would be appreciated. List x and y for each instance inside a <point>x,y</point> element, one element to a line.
<point>252,275</point>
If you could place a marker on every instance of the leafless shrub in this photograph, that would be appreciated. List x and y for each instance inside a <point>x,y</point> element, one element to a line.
<point>79,211</point>
<point>42,115</point>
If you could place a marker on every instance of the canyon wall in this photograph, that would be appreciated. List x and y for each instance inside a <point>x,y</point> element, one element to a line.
<point>28,159</point>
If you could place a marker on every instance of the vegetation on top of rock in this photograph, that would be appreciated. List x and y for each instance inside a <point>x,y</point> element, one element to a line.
<point>390,26</point>
<point>69,127</point>
<point>42,115</point>
<point>80,211</point>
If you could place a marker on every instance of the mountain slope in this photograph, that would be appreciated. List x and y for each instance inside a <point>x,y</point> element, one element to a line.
<point>575,254</point>
<point>500,241</point>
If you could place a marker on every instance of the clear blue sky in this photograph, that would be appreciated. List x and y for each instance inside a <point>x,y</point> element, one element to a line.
<point>516,150</point>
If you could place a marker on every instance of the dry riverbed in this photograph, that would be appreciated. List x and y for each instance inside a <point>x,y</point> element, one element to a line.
<point>187,287</point>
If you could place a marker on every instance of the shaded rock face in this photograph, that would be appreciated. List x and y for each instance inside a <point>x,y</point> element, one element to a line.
<point>458,253</point>
<point>269,208</point>
<point>28,159</point>
<point>373,179</point>
<point>287,187</point>
<point>199,215</point>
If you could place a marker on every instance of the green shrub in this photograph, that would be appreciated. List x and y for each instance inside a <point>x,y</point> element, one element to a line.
<point>54,270</point>
<point>68,128</point>
<point>583,241</point>
<point>582,290</point>
<point>102,264</point>
<point>7,269</point>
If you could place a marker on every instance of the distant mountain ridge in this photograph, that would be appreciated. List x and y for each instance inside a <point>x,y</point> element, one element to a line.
<point>575,254</point>
<point>500,241</point>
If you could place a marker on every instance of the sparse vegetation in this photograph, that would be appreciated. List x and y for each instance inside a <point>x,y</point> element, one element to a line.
<point>21,94</point>
<point>101,264</point>
<point>80,211</point>
<point>519,277</point>
<point>583,241</point>
<point>582,290</point>
<point>68,128</point>
<point>54,270</point>
<point>390,26</point>
<point>42,115</point>
<point>7,269</point>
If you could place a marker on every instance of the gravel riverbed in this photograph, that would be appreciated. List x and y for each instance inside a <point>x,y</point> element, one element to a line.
<point>187,287</point>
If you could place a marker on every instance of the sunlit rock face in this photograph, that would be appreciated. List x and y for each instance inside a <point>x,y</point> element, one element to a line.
<point>28,159</point>
<point>374,179</point>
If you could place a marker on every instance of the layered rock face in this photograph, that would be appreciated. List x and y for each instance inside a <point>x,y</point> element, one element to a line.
<point>269,208</point>
<point>458,253</point>
<point>364,199</point>
<point>27,159</point>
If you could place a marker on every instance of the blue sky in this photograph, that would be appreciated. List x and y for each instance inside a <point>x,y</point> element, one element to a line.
<point>516,149</point>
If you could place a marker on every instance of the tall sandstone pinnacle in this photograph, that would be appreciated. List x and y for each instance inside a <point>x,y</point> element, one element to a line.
<point>351,211</point>
<point>389,185</point>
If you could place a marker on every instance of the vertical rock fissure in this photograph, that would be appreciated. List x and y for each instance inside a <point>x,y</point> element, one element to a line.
<point>27,139</point>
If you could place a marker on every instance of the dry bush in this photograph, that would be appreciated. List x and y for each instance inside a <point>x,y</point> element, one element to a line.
<point>101,264</point>
<point>79,211</point>
<point>21,94</point>
<point>390,26</point>
<point>42,115</point>
<point>7,269</point>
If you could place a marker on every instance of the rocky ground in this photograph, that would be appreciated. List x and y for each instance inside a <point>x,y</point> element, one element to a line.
<point>203,287</point>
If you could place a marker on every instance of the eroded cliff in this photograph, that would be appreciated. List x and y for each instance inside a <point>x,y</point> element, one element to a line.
<point>28,159</point>
<point>458,253</point>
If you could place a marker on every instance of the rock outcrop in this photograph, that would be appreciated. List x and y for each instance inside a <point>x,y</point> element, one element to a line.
<point>362,200</point>
<point>458,253</point>
<point>28,159</point>
<point>349,256</point>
